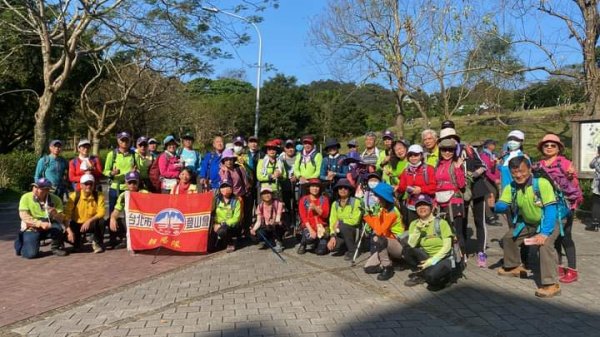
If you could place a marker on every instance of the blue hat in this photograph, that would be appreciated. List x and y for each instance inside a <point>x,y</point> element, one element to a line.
<point>42,183</point>
<point>352,157</point>
<point>168,139</point>
<point>122,135</point>
<point>299,147</point>
<point>56,142</point>
<point>423,199</point>
<point>384,191</point>
<point>132,175</point>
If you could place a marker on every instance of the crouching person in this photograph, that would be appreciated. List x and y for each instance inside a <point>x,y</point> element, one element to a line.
<point>268,220</point>
<point>85,213</point>
<point>429,247</point>
<point>314,210</point>
<point>41,214</point>
<point>387,230</point>
<point>344,221</point>
<point>117,234</point>
<point>228,213</point>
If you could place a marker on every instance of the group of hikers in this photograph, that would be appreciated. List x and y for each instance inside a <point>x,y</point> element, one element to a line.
<point>404,204</point>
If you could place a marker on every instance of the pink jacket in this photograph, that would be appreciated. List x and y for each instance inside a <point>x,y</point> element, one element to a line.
<point>237,177</point>
<point>492,172</point>
<point>445,181</point>
<point>168,166</point>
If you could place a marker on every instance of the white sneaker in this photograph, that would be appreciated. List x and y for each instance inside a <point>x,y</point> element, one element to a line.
<point>97,248</point>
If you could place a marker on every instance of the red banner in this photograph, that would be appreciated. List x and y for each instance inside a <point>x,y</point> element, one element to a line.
<point>179,222</point>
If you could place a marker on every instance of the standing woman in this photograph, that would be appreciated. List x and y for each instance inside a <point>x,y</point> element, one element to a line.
<point>417,178</point>
<point>396,164</point>
<point>564,176</point>
<point>450,179</point>
<point>169,165</point>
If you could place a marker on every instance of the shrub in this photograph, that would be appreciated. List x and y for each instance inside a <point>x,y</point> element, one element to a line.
<point>17,169</point>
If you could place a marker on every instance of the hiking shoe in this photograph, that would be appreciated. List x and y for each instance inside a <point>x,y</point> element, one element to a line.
<point>121,245</point>
<point>230,248</point>
<point>561,271</point>
<point>348,256</point>
<point>515,272</point>
<point>373,269</point>
<point>492,221</point>
<point>386,273</point>
<point>301,249</point>
<point>593,227</point>
<point>97,247</point>
<point>337,253</point>
<point>570,276</point>
<point>482,260</point>
<point>278,246</point>
<point>414,281</point>
<point>59,252</point>
<point>548,291</point>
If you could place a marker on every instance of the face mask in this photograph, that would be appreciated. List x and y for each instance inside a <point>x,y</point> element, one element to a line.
<point>372,184</point>
<point>237,149</point>
<point>513,145</point>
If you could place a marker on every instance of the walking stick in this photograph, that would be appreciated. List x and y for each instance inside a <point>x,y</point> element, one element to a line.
<point>264,238</point>
<point>358,245</point>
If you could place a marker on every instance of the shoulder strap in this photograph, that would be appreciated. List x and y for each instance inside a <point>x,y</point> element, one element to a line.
<point>425,173</point>
<point>436,226</point>
<point>452,172</point>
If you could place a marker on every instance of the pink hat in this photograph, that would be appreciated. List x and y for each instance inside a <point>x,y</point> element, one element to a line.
<point>228,154</point>
<point>550,138</point>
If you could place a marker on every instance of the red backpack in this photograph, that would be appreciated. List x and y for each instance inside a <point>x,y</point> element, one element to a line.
<point>154,175</point>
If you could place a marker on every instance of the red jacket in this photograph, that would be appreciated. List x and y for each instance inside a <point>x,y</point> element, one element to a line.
<point>311,216</point>
<point>75,171</point>
<point>416,177</point>
<point>447,183</point>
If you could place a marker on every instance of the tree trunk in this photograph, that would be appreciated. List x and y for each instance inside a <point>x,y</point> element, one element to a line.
<point>400,117</point>
<point>95,142</point>
<point>42,116</point>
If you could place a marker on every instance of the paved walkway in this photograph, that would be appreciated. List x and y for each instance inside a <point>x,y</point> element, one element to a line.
<point>251,293</point>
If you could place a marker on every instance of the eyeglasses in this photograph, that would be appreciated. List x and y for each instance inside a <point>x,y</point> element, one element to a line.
<point>447,150</point>
<point>550,145</point>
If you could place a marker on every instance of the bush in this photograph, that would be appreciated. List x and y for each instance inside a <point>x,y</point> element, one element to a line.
<point>16,170</point>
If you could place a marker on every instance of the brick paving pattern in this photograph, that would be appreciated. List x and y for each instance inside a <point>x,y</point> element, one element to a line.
<point>251,293</point>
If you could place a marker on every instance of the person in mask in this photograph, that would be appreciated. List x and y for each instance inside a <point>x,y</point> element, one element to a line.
<point>417,178</point>
<point>514,144</point>
<point>332,169</point>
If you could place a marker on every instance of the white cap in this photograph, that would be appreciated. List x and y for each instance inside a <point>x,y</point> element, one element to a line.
<point>415,148</point>
<point>447,132</point>
<point>517,134</point>
<point>83,142</point>
<point>86,177</point>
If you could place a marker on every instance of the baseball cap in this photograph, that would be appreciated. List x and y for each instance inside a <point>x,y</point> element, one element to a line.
<point>122,135</point>
<point>266,189</point>
<point>388,134</point>
<point>352,143</point>
<point>518,134</point>
<point>308,139</point>
<point>141,140</point>
<point>87,178</point>
<point>225,183</point>
<point>168,139</point>
<point>132,175</point>
<point>415,148</point>
<point>289,142</point>
<point>152,141</point>
<point>55,142</point>
<point>238,140</point>
<point>253,139</point>
<point>188,135</point>
<point>423,199</point>
<point>370,134</point>
<point>83,142</point>
<point>42,183</point>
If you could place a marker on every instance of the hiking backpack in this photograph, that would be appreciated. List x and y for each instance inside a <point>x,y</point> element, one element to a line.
<point>456,256</point>
<point>560,181</point>
<point>154,174</point>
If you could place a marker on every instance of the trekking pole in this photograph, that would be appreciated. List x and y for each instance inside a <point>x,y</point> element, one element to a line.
<point>358,245</point>
<point>264,238</point>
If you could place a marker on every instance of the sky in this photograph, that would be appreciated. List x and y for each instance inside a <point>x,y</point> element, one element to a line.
<point>286,45</point>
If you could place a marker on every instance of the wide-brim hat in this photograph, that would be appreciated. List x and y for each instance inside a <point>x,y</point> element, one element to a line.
<point>170,139</point>
<point>343,183</point>
<point>373,175</point>
<point>228,154</point>
<point>550,138</point>
<point>448,143</point>
<point>384,191</point>
<point>448,133</point>
<point>352,157</point>
<point>331,143</point>
<point>518,134</point>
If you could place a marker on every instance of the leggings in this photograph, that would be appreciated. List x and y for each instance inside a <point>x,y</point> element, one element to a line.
<point>595,208</point>
<point>567,243</point>
<point>456,219</point>
<point>479,207</point>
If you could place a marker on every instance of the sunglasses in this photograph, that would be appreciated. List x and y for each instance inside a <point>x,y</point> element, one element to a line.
<point>143,144</point>
<point>412,154</point>
<point>447,150</point>
<point>88,183</point>
<point>550,145</point>
<point>132,182</point>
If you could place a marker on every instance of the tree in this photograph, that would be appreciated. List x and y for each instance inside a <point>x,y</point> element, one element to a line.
<point>580,20</point>
<point>284,108</point>
<point>173,32</point>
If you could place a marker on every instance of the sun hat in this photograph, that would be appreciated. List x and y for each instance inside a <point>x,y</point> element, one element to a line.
<point>84,141</point>
<point>551,138</point>
<point>384,191</point>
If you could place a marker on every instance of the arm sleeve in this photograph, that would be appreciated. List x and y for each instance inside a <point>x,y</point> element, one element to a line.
<point>297,171</point>
<point>500,207</point>
<point>325,209</point>
<point>204,166</point>
<point>323,171</point>
<point>459,173</point>
<point>550,218</point>
<point>263,178</point>
<point>302,211</point>
<point>108,164</point>
<point>72,175</point>
<point>402,184</point>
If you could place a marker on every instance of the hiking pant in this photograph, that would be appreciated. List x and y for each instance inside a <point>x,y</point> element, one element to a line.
<point>455,217</point>
<point>567,243</point>
<point>479,207</point>
<point>272,233</point>
<point>321,244</point>
<point>288,197</point>
<point>96,227</point>
<point>547,252</point>
<point>436,275</point>
<point>385,250</point>
<point>347,239</point>
<point>224,235</point>
<point>595,208</point>
<point>30,241</point>
<point>247,208</point>
<point>113,194</point>
<point>121,232</point>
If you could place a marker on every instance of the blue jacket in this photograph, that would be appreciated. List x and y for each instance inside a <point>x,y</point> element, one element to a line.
<point>52,168</point>
<point>210,169</point>
<point>333,164</point>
